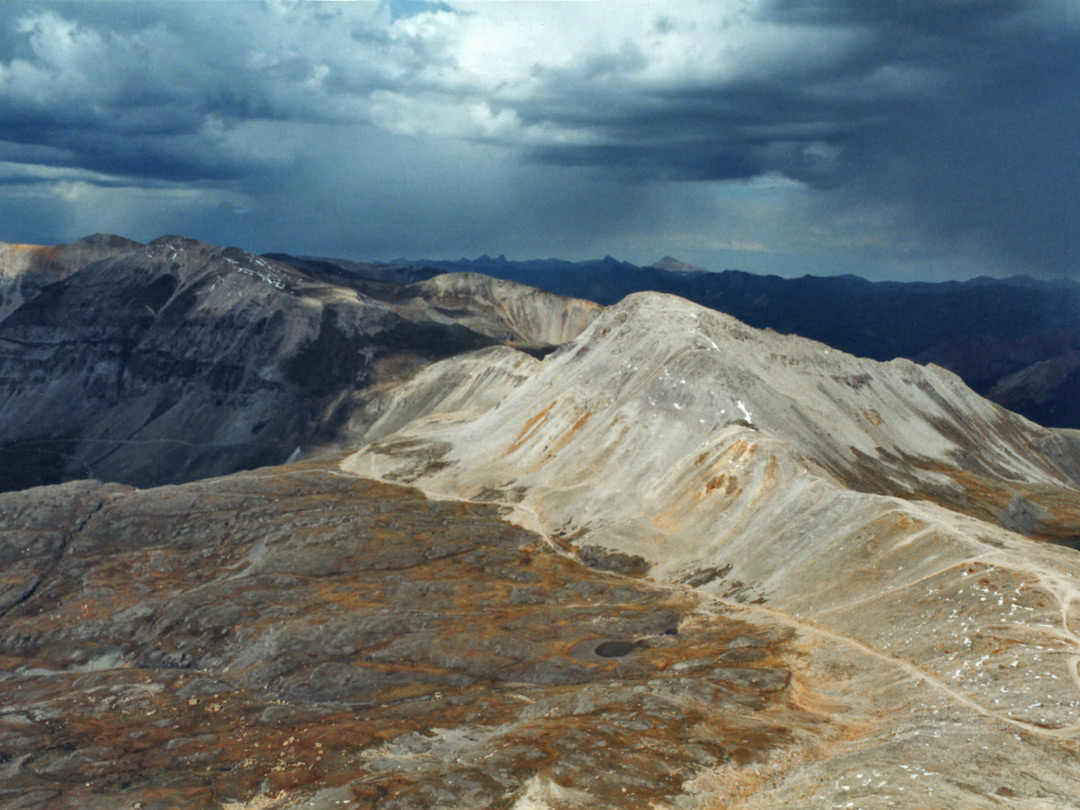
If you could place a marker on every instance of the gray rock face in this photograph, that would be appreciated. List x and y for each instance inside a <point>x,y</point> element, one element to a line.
<point>177,360</point>
<point>25,270</point>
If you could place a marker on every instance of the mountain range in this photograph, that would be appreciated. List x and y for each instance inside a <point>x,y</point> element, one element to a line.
<point>177,360</point>
<point>322,534</point>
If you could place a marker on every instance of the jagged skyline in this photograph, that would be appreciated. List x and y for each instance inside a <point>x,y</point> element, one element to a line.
<point>904,140</point>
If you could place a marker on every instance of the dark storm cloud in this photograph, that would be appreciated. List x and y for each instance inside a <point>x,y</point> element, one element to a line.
<point>956,114</point>
<point>152,89</point>
<point>915,68</point>
<point>111,95</point>
<point>741,130</point>
<point>950,122</point>
<point>926,17</point>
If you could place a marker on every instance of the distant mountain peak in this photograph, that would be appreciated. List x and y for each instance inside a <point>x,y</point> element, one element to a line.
<point>610,262</point>
<point>108,241</point>
<point>673,265</point>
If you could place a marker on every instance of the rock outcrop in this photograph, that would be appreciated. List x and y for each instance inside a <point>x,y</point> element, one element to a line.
<point>502,309</point>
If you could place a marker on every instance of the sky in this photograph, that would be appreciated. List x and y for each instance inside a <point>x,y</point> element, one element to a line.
<point>899,139</point>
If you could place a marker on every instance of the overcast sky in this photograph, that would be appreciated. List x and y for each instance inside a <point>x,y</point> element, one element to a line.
<point>921,139</point>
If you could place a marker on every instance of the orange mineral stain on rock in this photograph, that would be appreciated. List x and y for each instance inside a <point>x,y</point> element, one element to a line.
<point>530,427</point>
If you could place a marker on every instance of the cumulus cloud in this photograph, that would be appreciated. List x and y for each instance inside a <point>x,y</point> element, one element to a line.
<point>918,136</point>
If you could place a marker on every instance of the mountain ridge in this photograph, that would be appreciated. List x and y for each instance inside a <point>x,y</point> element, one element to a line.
<point>895,428</point>
<point>661,442</point>
<point>536,554</point>
<point>1026,321</point>
<point>212,359</point>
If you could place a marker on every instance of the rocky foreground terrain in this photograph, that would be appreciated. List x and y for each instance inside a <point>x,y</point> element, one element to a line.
<point>674,563</point>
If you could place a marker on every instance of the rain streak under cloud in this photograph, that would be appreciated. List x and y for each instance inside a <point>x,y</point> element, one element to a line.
<point>901,138</point>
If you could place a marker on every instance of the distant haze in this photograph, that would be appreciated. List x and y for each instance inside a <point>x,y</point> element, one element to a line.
<point>908,139</point>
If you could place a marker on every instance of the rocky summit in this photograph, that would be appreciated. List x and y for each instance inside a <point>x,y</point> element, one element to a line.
<point>532,555</point>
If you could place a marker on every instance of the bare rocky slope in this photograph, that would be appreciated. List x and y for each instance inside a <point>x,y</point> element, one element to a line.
<point>501,309</point>
<point>984,329</point>
<point>677,563</point>
<point>176,360</point>
<point>878,510</point>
